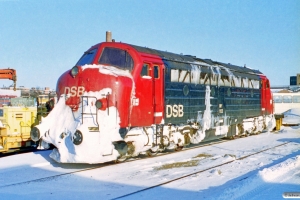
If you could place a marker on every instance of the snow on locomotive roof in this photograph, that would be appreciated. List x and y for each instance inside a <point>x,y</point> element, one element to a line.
<point>194,60</point>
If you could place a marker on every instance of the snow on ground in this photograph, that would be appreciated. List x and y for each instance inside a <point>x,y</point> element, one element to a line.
<point>265,175</point>
<point>292,116</point>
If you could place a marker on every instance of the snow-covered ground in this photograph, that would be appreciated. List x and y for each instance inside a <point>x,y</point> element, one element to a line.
<point>265,175</point>
<point>292,116</point>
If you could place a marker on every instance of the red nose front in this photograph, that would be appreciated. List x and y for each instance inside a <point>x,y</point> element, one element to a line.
<point>90,82</point>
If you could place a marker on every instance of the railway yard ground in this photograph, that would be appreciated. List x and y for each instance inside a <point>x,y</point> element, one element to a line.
<point>263,166</point>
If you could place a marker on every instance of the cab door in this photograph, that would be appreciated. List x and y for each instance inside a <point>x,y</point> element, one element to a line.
<point>158,80</point>
<point>145,104</point>
<point>148,102</point>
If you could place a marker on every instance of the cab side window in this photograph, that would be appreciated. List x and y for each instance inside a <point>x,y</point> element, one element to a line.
<point>145,70</point>
<point>156,72</point>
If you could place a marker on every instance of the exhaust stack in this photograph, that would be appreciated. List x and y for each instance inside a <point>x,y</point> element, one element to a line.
<point>108,36</point>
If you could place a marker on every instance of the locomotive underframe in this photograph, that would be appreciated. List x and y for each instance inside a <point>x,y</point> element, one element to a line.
<point>157,138</point>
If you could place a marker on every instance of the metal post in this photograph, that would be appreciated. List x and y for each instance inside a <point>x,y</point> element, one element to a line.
<point>108,36</point>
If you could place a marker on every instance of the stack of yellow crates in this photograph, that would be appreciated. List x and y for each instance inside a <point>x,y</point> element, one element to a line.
<point>15,126</point>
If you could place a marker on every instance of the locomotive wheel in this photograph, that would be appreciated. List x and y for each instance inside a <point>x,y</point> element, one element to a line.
<point>230,137</point>
<point>131,148</point>
<point>165,142</point>
<point>121,159</point>
<point>247,134</point>
<point>187,139</point>
<point>178,148</point>
<point>151,153</point>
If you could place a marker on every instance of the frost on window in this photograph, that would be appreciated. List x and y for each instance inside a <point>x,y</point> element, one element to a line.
<point>237,81</point>
<point>202,77</point>
<point>221,82</point>
<point>225,80</point>
<point>232,82</point>
<point>250,83</point>
<point>184,76</point>
<point>245,82</point>
<point>174,75</point>
<point>206,79</point>
<point>255,84</point>
<point>215,76</point>
<point>214,80</point>
<point>230,77</point>
<point>195,74</point>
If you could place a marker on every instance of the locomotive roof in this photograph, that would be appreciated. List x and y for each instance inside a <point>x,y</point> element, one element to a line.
<point>193,60</point>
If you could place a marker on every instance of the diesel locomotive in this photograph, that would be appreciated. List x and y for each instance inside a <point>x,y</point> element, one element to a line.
<point>121,100</point>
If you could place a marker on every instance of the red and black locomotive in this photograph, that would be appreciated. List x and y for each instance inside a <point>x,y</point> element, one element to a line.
<point>121,100</point>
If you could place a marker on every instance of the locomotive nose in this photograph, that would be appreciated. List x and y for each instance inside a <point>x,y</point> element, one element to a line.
<point>35,134</point>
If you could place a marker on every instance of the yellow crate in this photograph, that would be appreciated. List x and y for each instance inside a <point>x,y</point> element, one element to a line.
<point>17,122</point>
<point>3,131</point>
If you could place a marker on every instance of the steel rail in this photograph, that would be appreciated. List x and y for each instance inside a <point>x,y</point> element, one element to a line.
<point>197,172</point>
<point>115,163</point>
<point>140,157</point>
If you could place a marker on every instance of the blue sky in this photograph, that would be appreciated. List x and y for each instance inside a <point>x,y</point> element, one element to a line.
<point>41,39</point>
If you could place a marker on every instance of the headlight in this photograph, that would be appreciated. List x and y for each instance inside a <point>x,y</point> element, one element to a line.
<point>99,104</point>
<point>74,71</point>
<point>77,137</point>
<point>35,134</point>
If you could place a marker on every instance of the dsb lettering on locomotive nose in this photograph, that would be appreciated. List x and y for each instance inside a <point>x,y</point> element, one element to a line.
<point>74,91</point>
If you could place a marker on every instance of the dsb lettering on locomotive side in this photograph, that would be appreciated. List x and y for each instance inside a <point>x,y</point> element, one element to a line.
<point>174,111</point>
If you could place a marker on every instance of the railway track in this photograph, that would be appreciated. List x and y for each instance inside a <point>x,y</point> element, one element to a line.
<point>143,156</point>
<point>197,172</point>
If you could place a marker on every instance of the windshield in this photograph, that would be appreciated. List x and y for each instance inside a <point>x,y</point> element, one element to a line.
<point>116,57</point>
<point>87,57</point>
